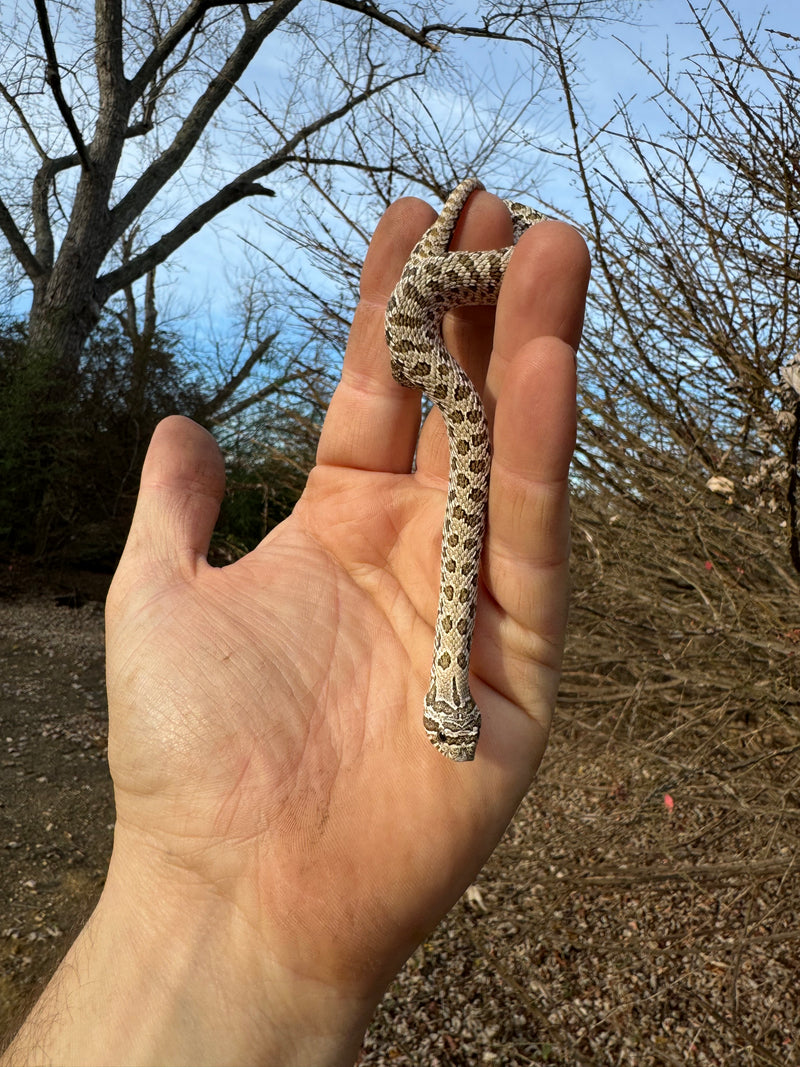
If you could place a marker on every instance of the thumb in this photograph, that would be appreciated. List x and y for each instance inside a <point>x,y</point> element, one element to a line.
<point>183,480</point>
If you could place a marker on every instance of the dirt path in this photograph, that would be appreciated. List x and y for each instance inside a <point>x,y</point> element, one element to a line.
<point>56,810</point>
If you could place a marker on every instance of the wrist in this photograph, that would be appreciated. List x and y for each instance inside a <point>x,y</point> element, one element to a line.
<point>165,972</point>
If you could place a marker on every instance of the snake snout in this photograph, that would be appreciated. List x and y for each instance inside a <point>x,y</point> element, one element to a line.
<point>453,731</point>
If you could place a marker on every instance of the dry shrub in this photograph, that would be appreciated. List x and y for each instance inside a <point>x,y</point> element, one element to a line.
<point>643,906</point>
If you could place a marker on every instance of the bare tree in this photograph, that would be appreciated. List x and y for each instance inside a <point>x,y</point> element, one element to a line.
<point>695,316</point>
<point>80,92</point>
<point>130,127</point>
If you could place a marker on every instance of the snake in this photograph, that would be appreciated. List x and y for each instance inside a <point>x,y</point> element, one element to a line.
<point>434,280</point>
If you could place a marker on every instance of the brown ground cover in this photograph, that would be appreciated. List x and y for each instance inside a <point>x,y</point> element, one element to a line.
<point>643,907</point>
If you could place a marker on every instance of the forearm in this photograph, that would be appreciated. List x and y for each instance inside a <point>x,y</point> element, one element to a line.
<point>181,981</point>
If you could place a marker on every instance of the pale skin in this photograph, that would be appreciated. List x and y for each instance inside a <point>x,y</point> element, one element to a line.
<point>286,834</point>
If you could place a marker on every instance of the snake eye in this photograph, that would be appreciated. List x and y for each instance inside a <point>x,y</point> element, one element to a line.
<point>442,736</point>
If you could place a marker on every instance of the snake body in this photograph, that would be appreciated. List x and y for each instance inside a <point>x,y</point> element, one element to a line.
<point>433,281</point>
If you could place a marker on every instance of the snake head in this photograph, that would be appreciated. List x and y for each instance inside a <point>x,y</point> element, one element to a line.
<point>453,731</point>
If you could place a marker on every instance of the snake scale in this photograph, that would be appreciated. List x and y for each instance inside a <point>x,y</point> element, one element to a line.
<point>433,281</point>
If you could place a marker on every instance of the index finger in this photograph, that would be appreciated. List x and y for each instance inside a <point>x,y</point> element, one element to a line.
<point>372,422</point>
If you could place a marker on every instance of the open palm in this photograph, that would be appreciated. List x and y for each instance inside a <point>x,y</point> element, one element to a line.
<point>265,718</point>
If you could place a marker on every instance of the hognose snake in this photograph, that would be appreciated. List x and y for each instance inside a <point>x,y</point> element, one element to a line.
<point>433,281</point>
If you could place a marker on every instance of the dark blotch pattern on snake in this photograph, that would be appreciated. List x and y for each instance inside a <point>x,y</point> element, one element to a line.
<point>433,281</point>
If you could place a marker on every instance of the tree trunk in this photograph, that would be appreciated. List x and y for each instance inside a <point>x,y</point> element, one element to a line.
<point>63,314</point>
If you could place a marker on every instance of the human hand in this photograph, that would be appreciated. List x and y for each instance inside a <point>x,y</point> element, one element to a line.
<point>270,767</point>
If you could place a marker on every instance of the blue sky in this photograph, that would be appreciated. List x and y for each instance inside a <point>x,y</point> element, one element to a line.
<point>664,22</point>
<point>203,274</point>
<point>610,73</point>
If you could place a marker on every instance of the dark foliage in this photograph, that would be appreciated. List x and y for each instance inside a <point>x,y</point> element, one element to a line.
<point>70,465</point>
<point>70,459</point>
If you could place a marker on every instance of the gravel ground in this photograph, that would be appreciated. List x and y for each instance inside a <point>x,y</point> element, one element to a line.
<point>642,908</point>
<point>56,809</point>
<point>611,927</point>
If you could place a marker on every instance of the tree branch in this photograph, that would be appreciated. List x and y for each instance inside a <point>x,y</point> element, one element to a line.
<point>237,190</point>
<point>40,197</point>
<point>226,391</point>
<point>18,245</point>
<point>260,394</point>
<point>114,94</point>
<point>40,205</point>
<point>365,7</point>
<point>164,48</point>
<point>13,103</point>
<point>474,31</point>
<point>287,153</point>
<point>172,158</point>
<point>53,78</point>
<point>40,209</point>
<point>791,490</point>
